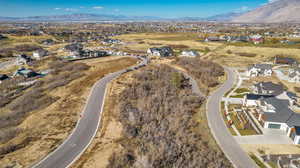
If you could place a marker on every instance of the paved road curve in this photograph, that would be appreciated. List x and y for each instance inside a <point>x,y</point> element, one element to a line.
<point>226,141</point>
<point>86,127</point>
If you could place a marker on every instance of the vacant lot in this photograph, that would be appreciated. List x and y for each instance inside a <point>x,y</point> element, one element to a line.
<point>225,54</point>
<point>142,41</point>
<point>43,129</point>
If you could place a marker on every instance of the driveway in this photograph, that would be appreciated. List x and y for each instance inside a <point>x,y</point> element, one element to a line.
<point>269,137</point>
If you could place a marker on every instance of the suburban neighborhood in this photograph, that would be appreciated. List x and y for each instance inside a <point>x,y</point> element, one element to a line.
<point>150,84</point>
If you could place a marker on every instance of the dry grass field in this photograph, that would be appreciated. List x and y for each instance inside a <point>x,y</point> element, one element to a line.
<point>43,130</point>
<point>225,54</point>
<point>142,41</point>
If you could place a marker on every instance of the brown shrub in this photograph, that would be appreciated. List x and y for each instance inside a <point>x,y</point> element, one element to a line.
<point>206,71</point>
<point>297,89</point>
<point>158,115</point>
<point>8,134</point>
<point>179,47</point>
<point>243,54</point>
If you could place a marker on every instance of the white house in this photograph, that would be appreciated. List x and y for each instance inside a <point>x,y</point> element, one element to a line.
<point>260,70</point>
<point>39,54</point>
<point>294,75</point>
<point>23,59</point>
<point>189,53</point>
<point>161,52</point>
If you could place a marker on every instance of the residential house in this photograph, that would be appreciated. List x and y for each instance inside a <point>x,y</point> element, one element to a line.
<point>27,73</point>
<point>161,52</point>
<point>268,88</point>
<point>39,53</point>
<point>251,100</point>
<point>23,59</point>
<point>275,113</point>
<point>48,42</point>
<point>189,53</point>
<point>213,39</point>
<point>260,70</point>
<point>285,61</point>
<point>2,37</point>
<point>74,47</point>
<point>239,39</point>
<point>294,75</point>
<point>3,77</point>
<point>91,54</point>
<point>256,39</point>
<point>111,41</point>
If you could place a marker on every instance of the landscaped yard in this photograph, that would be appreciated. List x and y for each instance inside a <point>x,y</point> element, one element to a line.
<point>240,121</point>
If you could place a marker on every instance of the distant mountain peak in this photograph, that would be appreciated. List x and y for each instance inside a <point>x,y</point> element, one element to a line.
<point>273,12</point>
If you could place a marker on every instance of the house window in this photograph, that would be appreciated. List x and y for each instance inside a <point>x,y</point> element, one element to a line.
<point>293,136</point>
<point>274,126</point>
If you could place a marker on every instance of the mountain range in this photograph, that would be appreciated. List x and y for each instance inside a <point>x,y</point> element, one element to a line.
<point>105,17</point>
<point>275,12</point>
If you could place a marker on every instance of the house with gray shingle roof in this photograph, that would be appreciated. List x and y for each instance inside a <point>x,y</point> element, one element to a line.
<point>276,114</point>
<point>161,52</point>
<point>260,70</point>
<point>294,75</point>
<point>268,88</point>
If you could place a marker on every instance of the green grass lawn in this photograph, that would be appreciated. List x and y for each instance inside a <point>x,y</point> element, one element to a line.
<point>238,96</point>
<point>241,90</point>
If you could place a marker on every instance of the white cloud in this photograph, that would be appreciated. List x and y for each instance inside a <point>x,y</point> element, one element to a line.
<point>243,9</point>
<point>116,10</point>
<point>98,7</point>
<point>57,8</point>
<point>70,9</point>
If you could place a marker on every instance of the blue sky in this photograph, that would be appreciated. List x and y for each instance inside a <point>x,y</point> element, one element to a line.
<point>162,8</point>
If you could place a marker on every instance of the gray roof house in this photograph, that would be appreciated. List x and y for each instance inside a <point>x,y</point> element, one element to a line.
<point>294,75</point>
<point>3,77</point>
<point>260,70</point>
<point>27,73</point>
<point>268,88</point>
<point>161,52</point>
<point>276,114</point>
<point>23,59</point>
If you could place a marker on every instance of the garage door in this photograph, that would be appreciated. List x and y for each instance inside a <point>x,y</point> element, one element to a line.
<point>274,126</point>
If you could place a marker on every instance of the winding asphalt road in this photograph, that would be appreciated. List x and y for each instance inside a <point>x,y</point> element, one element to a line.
<point>238,157</point>
<point>86,128</point>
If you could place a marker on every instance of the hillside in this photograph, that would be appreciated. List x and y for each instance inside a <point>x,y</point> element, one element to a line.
<point>275,12</point>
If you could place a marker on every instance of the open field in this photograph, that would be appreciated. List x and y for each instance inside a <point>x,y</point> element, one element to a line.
<point>225,54</point>
<point>141,42</point>
<point>54,123</point>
